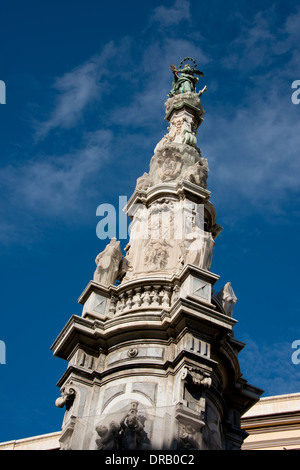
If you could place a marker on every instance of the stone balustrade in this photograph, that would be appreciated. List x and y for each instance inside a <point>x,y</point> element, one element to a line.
<point>148,296</point>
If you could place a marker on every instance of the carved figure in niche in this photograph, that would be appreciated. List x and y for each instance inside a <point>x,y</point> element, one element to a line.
<point>143,182</point>
<point>183,77</point>
<point>138,226</point>
<point>108,437</point>
<point>174,131</point>
<point>197,173</point>
<point>107,263</point>
<point>198,248</point>
<point>157,255</point>
<point>227,298</point>
<point>129,434</point>
<point>124,267</point>
<point>169,165</point>
<point>187,438</point>
<point>161,220</point>
<point>212,432</point>
<point>133,436</point>
<point>208,250</point>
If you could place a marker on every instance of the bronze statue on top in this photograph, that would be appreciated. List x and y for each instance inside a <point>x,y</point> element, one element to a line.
<point>184,78</point>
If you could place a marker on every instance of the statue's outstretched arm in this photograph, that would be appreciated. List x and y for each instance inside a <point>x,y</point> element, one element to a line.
<point>198,72</point>
<point>174,69</point>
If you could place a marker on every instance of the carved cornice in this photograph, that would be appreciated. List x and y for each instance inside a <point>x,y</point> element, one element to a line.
<point>177,189</point>
<point>97,333</point>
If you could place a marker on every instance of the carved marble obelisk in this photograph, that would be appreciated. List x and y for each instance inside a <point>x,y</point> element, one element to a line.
<point>152,360</point>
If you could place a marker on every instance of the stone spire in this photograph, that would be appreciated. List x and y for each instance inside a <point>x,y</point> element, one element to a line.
<point>173,222</point>
<point>153,362</point>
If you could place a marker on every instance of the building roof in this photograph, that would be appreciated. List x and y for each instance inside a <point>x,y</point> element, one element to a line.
<point>273,423</point>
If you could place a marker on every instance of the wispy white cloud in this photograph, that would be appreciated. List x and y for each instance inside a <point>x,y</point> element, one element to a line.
<point>270,366</point>
<point>53,185</point>
<point>146,106</point>
<point>78,89</point>
<point>261,45</point>
<point>256,152</point>
<point>251,148</point>
<point>173,15</point>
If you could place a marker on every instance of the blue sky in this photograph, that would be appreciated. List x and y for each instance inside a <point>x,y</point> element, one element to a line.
<point>86,84</point>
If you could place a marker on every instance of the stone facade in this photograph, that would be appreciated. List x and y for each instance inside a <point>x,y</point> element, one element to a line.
<point>152,360</point>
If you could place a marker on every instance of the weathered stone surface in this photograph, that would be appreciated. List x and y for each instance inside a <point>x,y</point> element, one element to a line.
<point>153,363</point>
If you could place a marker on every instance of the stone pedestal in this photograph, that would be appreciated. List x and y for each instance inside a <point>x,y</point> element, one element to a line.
<point>165,345</point>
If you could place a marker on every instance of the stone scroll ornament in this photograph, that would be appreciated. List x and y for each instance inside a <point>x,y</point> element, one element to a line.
<point>129,434</point>
<point>196,377</point>
<point>67,397</point>
<point>184,77</point>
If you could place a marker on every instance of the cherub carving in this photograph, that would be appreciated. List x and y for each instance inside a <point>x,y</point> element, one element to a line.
<point>108,437</point>
<point>197,173</point>
<point>143,182</point>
